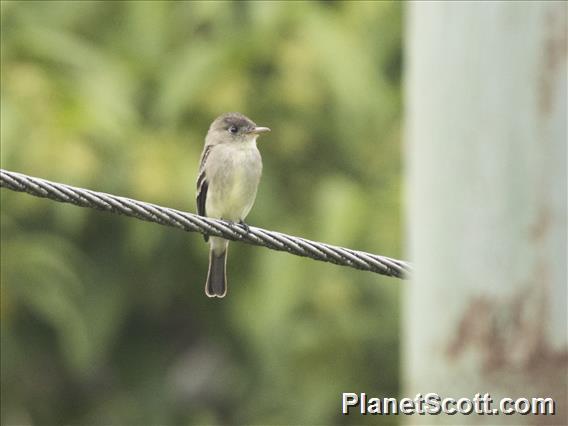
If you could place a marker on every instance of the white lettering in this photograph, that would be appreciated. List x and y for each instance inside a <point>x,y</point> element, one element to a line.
<point>406,406</point>
<point>522,406</point>
<point>374,406</point>
<point>349,400</point>
<point>506,402</point>
<point>465,406</point>
<point>433,403</point>
<point>390,406</point>
<point>446,402</point>
<point>543,406</point>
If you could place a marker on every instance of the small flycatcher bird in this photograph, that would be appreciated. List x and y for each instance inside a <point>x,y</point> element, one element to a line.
<point>229,173</point>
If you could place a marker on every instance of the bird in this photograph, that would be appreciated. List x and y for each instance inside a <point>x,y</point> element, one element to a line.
<point>229,173</point>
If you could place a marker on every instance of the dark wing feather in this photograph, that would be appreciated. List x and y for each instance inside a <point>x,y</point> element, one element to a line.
<point>202,186</point>
<point>202,197</point>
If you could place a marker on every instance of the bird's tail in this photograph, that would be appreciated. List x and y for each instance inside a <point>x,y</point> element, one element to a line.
<point>216,285</point>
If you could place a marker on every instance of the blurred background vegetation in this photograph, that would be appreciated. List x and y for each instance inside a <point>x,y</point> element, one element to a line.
<point>104,319</point>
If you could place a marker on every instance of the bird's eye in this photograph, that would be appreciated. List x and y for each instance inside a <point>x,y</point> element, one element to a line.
<point>233,129</point>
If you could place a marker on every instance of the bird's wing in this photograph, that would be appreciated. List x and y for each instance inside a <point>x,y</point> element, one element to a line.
<point>202,185</point>
<point>201,196</point>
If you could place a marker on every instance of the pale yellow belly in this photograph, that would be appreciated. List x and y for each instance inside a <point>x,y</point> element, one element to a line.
<point>232,191</point>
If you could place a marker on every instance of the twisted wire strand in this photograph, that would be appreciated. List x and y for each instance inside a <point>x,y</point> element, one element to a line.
<point>193,223</point>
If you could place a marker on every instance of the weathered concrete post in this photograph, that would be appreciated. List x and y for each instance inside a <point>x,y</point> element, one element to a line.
<point>486,175</point>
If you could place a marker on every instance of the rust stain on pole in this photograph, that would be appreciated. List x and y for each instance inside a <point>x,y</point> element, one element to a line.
<point>507,335</point>
<point>554,55</point>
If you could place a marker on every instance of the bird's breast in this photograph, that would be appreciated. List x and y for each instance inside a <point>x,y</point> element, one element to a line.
<point>233,182</point>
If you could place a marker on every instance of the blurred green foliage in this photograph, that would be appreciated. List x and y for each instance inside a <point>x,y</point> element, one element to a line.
<point>103,318</point>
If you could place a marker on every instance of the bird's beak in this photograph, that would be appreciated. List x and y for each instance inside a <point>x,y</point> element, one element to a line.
<point>259,130</point>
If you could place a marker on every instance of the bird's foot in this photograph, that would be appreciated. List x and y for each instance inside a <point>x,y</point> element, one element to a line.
<point>244,225</point>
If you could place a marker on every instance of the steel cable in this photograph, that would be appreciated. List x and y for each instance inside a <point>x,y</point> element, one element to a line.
<point>207,226</point>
